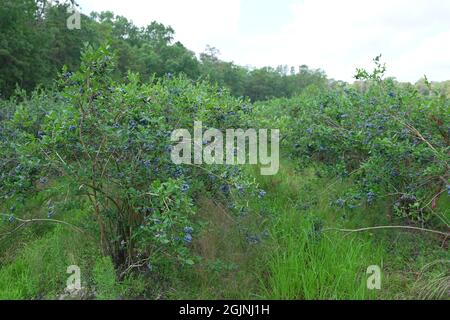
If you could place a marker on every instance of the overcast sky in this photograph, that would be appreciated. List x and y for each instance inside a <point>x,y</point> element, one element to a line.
<point>336,36</point>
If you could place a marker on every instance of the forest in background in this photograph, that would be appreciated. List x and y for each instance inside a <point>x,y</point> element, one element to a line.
<point>35,44</point>
<point>86,177</point>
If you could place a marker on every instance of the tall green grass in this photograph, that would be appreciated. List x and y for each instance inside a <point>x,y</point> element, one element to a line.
<point>308,264</point>
<point>304,262</point>
<point>40,269</point>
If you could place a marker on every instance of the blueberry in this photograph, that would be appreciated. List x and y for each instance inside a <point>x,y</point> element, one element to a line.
<point>225,188</point>
<point>262,194</point>
<point>448,190</point>
<point>178,172</point>
<point>240,188</point>
<point>187,239</point>
<point>147,164</point>
<point>43,180</point>
<point>185,187</point>
<point>340,203</point>
<point>116,126</point>
<point>132,124</point>
<point>72,128</point>
<point>370,196</point>
<point>188,230</point>
<point>11,219</point>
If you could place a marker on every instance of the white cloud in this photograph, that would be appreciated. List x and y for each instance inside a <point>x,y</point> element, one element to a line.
<point>337,36</point>
<point>196,22</point>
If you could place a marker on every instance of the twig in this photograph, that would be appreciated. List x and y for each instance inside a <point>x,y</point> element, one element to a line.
<point>388,227</point>
<point>27,221</point>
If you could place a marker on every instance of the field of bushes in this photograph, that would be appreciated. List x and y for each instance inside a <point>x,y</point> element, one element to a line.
<point>86,180</point>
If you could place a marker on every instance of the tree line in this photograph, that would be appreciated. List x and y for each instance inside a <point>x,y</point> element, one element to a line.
<point>35,44</point>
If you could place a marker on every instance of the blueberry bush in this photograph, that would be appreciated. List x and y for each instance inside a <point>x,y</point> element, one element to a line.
<point>390,139</point>
<point>112,141</point>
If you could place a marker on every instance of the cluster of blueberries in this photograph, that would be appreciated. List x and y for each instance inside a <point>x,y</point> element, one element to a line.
<point>188,235</point>
<point>11,217</point>
<point>43,180</point>
<point>185,187</point>
<point>370,197</point>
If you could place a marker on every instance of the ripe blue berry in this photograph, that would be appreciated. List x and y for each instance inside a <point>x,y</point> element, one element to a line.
<point>187,239</point>
<point>188,230</point>
<point>43,180</point>
<point>147,164</point>
<point>370,197</point>
<point>340,203</point>
<point>225,188</point>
